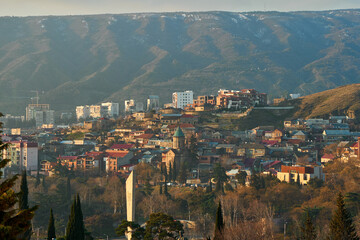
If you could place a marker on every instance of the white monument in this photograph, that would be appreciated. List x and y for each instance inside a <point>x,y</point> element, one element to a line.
<point>130,201</point>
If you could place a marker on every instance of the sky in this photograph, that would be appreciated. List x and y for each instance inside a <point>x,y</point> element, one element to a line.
<point>81,7</point>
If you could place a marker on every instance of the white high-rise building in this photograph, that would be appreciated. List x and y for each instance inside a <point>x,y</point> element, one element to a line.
<point>130,105</point>
<point>153,103</point>
<point>112,109</point>
<point>181,99</point>
<point>41,113</point>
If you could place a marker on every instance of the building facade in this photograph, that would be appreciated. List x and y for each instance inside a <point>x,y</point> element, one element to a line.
<point>181,99</point>
<point>23,154</point>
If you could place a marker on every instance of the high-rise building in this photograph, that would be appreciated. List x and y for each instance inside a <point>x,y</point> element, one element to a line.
<point>153,103</point>
<point>23,154</point>
<point>181,99</point>
<point>130,105</point>
<point>112,109</point>
<point>41,113</point>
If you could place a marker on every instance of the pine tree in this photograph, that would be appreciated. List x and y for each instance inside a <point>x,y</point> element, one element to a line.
<point>51,227</point>
<point>341,225</point>
<point>308,231</point>
<point>24,202</point>
<point>219,224</point>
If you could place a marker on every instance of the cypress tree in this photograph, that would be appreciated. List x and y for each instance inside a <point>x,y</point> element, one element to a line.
<point>51,227</point>
<point>341,225</point>
<point>68,190</point>
<point>44,184</point>
<point>219,224</point>
<point>80,229</point>
<point>24,192</point>
<point>70,228</point>
<point>174,173</point>
<point>37,182</point>
<point>24,202</point>
<point>170,173</point>
<point>308,231</point>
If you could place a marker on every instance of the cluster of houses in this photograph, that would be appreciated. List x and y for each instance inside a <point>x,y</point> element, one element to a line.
<point>167,138</point>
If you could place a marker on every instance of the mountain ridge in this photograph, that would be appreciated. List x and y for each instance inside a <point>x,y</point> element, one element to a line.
<point>86,59</point>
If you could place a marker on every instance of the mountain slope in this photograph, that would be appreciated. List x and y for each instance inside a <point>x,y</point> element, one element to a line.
<point>331,102</point>
<point>76,60</point>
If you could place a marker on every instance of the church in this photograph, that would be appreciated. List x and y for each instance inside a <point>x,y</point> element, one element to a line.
<point>178,153</point>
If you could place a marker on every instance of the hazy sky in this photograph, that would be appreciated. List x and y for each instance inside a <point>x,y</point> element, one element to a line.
<point>75,7</point>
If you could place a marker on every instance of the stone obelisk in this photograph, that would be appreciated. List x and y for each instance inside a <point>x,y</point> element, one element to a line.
<point>130,200</point>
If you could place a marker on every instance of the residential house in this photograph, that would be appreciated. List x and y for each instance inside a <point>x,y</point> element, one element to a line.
<point>303,174</point>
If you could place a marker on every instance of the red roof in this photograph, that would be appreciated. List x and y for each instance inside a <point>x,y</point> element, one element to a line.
<point>355,145</point>
<point>327,155</point>
<point>93,154</point>
<point>294,141</point>
<point>117,154</point>
<point>145,136</point>
<point>270,142</point>
<point>122,146</point>
<point>67,157</point>
<point>184,125</point>
<point>188,116</point>
<point>270,165</point>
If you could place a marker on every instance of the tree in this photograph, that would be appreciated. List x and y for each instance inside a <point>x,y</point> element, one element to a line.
<point>137,232</point>
<point>241,177</point>
<point>308,231</point>
<point>182,173</point>
<point>341,225</point>
<point>162,226</point>
<point>37,182</point>
<point>68,190</point>
<point>219,224</point>
<point>174,172</point>
<point>13,221</point>
<point>170,178</point>
<point>75,228</point>
<point>24,202</point>
<point>51,227</point>
<point>220,177</point>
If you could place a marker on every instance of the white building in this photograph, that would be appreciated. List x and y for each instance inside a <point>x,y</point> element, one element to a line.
<point>153,103</point>
<point>112,109</point>
<point>130,105</point>
<point>303,174</point>
<point>41,113</point>
<point>94,111</point>
<point>181,99</point>
<point>23,154</point>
